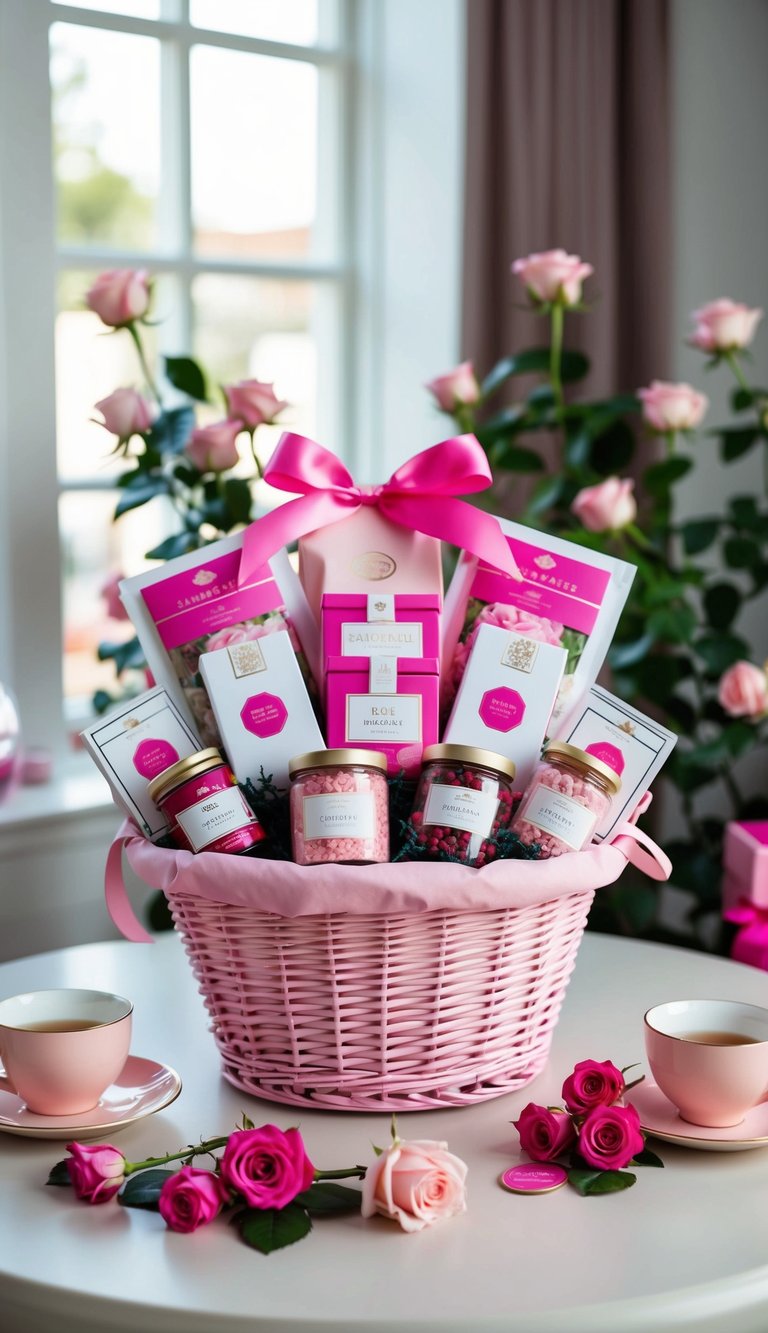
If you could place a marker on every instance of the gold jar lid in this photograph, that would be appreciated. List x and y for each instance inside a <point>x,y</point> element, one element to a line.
<point>191,767</point>
<point>584,761</point>
<point>336,759</point>
<point>469,754</point>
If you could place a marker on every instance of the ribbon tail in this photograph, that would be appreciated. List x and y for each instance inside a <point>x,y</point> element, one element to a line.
<point>631,842</point>
<point>266,535</point>
<point>117,900</point>
<point>456,521</point>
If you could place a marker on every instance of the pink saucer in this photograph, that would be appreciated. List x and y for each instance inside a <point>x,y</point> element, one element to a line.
<point>143,1088</point>
<point>660,1118</point>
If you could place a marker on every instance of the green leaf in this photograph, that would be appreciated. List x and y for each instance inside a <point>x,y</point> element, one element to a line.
<point>124,655</point>
<point>237,493</point>
<point>139,494</point>
<point>742,399</point>
<point>546,493</point>
<point>178,544</point>
<point>508,422</point>
<point>185,374</point>
<point>600,1182</point>
<point>660,476</point>
<point>741,552</point>
<point>58,1174</point>
<point>516,459</point>
<point>613,449</point>
<point>101,701</point>
<point>646,1158</point>
<point>541,398</point>
<point>573,366</point>
<point>719,651</point>
<point>143,1189</point>
<point>174,428</point>
<point>325,1197</point>
<point>737,441</point>
<point>673,624</point>
<point>699,534</point>
<point>681,713</point>
<point>626,654</point>
<point>721,603</point>
<point>739,737</point>
<point>268,1229</point>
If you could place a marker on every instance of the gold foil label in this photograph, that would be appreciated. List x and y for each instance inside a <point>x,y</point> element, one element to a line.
<point>394,719</point>
<point>373,566</point>
<point>246,658</point>
<point>520,654</point>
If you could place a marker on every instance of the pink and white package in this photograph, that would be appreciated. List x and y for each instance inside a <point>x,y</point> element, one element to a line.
<point>506,697</point>
<point>382,703</point>
<point>400,624</point>
<point>193,605</point>
<point>568,596</point>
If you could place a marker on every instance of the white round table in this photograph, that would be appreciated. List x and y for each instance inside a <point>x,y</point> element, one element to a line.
<point>686,1247</point>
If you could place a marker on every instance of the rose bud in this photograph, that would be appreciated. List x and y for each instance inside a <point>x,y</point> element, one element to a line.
<point>592,1083</point>
<point>267,1166</point>
<point>743,690</point>
<point>110,591</point>
<point>610,1137</point>
<point>96,1170</point>
<point>668,407</point>
<point>457,388</point>
<point>415,1182</point>
<point>544,1134</point>
<point>190,1198</point>
<point>253,403</point>
<point>120,296</point>
<point>552,277</point>
<point>126,413</point>
<point>724,326</point>
<point>214,448</point>
<point>606,507</point>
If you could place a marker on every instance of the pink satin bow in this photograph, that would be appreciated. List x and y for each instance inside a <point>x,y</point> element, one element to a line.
<point>751,943</point>
<point>422,495</point>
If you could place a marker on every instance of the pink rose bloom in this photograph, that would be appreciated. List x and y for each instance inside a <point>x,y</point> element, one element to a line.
<point>672,406</point>
<point>606,507</point>
<point>190,1198</point>
<point>523,622</point>
<point>214,448</point>
<point>610,1137</point>
<point>457,387</point>
<point>96,1170</point>
<point>119,296</point>
<point>743,690</point>
<point>592,1083</point>
<point>544,1134</point>
<point>724,326</point>
<point>110,591</point>
<point>415,1182</point>
<point>126,413</point>
<point>227,638</point>
<point>253,402</point>
<point>553,276</point>
<point>267,1166</point>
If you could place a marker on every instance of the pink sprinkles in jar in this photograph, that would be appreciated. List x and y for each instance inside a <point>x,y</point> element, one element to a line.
<point>568,796</point>
<point>339,807</point>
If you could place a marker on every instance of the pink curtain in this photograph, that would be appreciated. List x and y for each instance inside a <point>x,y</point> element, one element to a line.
<point>568,145</point>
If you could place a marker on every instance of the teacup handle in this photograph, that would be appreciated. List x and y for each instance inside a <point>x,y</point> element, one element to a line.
<point>5,1083</point>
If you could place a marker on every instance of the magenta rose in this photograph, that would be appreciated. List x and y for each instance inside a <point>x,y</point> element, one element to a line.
<point>606,507</point>
<point>190,1198</point>
<point>610,1137</point>
<point>267,1166</point>
<point>126,413</point>
<point>544,1134</point>
<point>458,387</point>
<point>724,326</point>
<point>592,1083</point>
<point>253,402</point>
<point>214,448</point>
<point>96,1170</point>
<point>743,690</point>
<point>120,296</point>
<point>669,407</point>
<point>552,276</point>
<point>415,1182</point>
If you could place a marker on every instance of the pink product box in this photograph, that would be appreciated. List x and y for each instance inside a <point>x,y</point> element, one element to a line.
<point>745,861</point>
<point>506,697</point>
<point>373,624</point>
<point>386,704</point>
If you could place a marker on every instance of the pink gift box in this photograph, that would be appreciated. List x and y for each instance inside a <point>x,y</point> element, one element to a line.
<point>360,625</point>
<point>745,862</point>
<point>383,703</point>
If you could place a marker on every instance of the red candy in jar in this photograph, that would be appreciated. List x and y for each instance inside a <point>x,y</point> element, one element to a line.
<point>205,809</point>
<point>463,801</point>
<point>339,807</point>
<point>570,792</point>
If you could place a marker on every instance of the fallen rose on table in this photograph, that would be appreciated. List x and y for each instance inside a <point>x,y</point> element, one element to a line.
<point>596,1134</point>
<point>266,1182</point>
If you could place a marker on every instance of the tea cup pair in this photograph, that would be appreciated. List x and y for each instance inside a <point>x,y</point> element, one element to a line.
<point>709,1058</point>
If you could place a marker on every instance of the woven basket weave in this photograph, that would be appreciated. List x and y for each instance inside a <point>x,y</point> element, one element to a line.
<point>374,988</point>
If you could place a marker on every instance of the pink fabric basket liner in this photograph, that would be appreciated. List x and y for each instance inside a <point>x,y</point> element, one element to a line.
<point>372,988</point>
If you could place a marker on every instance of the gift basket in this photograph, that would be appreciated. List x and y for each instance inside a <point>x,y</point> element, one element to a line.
<point>338,783</point>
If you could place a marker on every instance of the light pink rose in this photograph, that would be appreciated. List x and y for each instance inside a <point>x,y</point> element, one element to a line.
<point>606,507</point>
<point>553,276</point>
<point>126,413</point>
<point>523,622</point>
<point>724,326</point>
<point>190,1198</point>
<point>214,448</point>
<point>672,406</point>
<point>267,1166</point>
<point>97,1170</point>
<point>120,296</point>
<point>610,1137</point>
<point>253,402</point>
<point>226,638</point>
<point>458,386</point>
<point>415,1182</point>
<point>743,690</point>
<point>592,1083</point>
<point>544,1134</point>
<point>110,591</point>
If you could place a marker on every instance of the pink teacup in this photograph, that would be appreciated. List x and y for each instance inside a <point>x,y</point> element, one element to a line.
<point>62,1048</point>
<point>709,1057</point>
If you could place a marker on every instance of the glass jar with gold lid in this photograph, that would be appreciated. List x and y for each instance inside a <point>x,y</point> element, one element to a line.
<point>569,795</point>
<point>463,801</point>
<point>205,809</point>
<point>339,807</point>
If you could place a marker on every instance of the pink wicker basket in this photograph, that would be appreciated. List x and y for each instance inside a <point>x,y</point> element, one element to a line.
<point>397,987</point>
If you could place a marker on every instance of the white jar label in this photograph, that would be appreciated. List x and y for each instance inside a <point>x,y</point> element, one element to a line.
<point>215,815</point>
<point>400,639</point>
<point>560,815</point>
<point>339,815</point>
<point>461,808</point>
<point>380,717</point>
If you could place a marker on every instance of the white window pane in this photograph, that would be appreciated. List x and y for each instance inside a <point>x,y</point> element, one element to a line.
<point>299,21</point>
<point>137,9</point>
<point>254,155</point>
<point>106,127</point>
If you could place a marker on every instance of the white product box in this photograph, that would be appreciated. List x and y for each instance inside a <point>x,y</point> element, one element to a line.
<point>633,745</point>
<point>261,706</point>
<point>132,745</point>
<point>506,697</point>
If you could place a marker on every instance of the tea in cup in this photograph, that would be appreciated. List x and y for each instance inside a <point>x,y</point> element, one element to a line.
<point>709,1057</point>
<point>61,1049</point>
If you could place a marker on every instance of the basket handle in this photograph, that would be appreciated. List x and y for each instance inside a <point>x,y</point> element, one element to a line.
<point>118,903</point>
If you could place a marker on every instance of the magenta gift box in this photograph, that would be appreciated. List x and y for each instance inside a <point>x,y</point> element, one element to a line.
<point>368,625</point>
<point>382,703</point>
<point>745,861</point>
